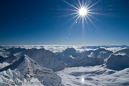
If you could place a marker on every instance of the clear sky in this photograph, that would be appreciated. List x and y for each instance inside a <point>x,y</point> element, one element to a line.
<point>46,22</point>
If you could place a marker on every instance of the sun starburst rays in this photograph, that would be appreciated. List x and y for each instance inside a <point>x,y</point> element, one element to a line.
<point>83,10</point>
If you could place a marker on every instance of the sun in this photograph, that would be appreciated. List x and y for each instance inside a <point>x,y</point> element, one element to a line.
<point>83,11</point>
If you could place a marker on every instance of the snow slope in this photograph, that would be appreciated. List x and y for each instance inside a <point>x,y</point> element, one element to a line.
<point>45,58</point>
<point>94,76</point>
<point>93,57</point>
<point>28,71</point>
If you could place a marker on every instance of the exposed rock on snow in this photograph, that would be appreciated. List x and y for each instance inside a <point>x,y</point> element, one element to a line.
<point>29,70</point>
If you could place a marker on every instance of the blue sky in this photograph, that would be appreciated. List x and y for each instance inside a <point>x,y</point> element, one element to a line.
<point>43,22</point>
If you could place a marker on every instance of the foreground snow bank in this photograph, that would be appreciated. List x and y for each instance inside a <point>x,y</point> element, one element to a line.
<point>94,76</point>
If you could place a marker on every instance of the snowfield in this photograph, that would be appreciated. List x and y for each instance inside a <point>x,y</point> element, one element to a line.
<point>64,65</point>
<point>94,76</point>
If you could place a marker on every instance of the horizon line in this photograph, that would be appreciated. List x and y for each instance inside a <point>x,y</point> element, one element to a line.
<point>72,45</point>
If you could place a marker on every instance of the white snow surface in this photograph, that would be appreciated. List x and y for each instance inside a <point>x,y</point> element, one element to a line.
<point>4,64</point>
<point>94,76</point>
<point>29,73</point>
<point>75,65</point>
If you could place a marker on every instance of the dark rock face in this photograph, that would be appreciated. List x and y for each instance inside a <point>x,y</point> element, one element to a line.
<point>124,51</point>
<point>9,59</point>
<point>118,62</point>
<point>13,65</point>
<point>88,61</point>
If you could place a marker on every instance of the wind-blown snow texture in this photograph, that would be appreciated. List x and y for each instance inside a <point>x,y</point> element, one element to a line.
<point>73,65</point>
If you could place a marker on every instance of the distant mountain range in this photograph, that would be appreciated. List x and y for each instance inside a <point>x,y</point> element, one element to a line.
<point>38,63</point>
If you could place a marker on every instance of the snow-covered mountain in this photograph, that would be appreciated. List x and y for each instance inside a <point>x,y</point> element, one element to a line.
<point>100,53</point>
<point>123,52</point>
<point>45,58</point>
<point>88,61</point>
<point>34,65</point>
<point>28,71</point>
<point>93,57</point>
<point>117,62</point>
<point>68,56</point>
